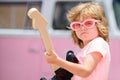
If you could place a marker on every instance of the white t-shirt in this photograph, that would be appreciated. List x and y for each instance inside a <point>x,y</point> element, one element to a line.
<point>102,69</point>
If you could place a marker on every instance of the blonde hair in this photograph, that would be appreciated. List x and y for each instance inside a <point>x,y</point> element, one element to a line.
<point>89,10</point>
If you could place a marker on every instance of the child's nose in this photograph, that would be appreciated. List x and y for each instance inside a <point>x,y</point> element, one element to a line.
<point>83,27</point>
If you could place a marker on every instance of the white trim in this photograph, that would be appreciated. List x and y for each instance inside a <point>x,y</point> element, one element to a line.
<point>20,0</point>
<point>33,33</point>
<point>18,32</point>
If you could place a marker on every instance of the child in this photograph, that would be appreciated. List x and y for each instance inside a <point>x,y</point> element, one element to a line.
<point>90,33</point>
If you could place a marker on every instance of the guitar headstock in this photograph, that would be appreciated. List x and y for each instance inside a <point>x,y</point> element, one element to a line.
<point>38,20</point>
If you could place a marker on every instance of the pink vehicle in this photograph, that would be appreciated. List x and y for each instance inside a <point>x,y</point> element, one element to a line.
<point>21,47</point>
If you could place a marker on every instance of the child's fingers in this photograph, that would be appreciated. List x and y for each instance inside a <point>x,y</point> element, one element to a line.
<point>46,53</point>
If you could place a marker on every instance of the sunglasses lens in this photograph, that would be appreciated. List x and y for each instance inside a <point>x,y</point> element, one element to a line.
<point>76,26</point>
<point>88,23</point>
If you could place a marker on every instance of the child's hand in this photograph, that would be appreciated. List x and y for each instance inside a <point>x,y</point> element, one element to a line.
<point>51,57</point>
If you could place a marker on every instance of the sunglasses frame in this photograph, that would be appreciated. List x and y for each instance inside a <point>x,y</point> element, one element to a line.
<point>83,24</point>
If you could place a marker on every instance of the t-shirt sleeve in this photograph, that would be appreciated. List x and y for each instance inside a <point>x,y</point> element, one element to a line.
<point>98,45</point>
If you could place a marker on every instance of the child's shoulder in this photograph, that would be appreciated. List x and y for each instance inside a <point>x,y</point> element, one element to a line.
<point>99,41</point>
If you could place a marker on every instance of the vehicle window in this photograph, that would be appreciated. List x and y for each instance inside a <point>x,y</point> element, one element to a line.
<point>116,7</point>
<point>13,15</point>
<point>60,21</point>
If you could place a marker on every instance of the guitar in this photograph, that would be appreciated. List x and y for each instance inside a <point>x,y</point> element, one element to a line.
<point>40,23</point>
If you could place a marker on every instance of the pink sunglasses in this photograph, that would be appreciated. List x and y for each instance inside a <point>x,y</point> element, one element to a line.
<point>88,23</point>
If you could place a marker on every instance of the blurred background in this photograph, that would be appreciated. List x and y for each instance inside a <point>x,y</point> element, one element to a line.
<point>21,47</point>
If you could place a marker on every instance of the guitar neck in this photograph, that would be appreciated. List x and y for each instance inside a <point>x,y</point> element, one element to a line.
<point>46,39</point>
<point>40,23</point>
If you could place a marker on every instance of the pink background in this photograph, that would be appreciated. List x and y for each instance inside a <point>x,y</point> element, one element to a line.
<point>22,58</point>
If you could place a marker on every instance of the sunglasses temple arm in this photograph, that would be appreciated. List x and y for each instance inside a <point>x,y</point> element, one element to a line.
<point>68,27</point>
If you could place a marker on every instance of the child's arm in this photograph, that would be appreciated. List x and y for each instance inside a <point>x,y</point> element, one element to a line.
<point>83,70</point>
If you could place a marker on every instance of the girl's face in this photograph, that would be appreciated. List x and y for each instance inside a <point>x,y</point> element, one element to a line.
<point>85,30</point>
